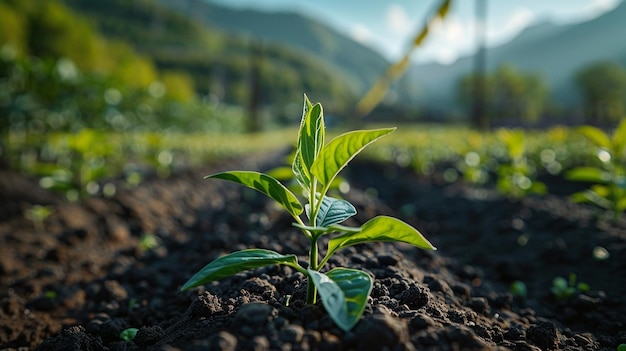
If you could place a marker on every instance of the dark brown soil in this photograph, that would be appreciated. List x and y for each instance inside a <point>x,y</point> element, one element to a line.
<point>85,278</point>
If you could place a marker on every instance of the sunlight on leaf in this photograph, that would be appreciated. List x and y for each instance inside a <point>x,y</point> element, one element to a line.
<point>266,185</point>
<point>336,155</point>
<point>381,228</point>
<point>310,141</point>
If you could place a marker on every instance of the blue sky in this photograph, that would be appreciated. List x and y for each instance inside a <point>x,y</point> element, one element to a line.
<point>388,26</point>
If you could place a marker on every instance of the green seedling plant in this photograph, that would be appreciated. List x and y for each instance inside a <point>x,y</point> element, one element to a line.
<point>518,177</point>
<point>608,189</point>
<point>563,288</point>
<point>38,214</point>
<point>342,291</point>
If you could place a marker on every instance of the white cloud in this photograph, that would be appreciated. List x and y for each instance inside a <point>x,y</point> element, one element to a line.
<point>519,19</point>
<point>446,40</point>
<point>603,5</point>
<point>360,33</point>
<point>397,19</point>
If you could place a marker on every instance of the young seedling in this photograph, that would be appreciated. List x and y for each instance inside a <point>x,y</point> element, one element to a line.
<point>38,214</point>
<point>608,189</point>
<point>517,178</point>
<point>343,291</point>
<point>564,289</point>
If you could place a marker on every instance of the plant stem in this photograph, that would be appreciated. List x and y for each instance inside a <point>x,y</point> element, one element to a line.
<point>311,293</point>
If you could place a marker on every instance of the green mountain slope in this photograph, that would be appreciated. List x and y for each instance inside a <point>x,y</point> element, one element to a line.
<point>557,52</point>
<point>360,64</point>
<point>219,63</point>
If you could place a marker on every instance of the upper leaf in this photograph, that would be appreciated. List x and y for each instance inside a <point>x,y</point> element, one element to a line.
<point>310,141</point>
<point>343,293</point>
<point>336,155</point>
<point>239,261</point>
<point>266,185</point>
<point>333,211</point>
<point>381,228</point>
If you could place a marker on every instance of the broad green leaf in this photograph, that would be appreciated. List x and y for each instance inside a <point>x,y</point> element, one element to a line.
<point>333,211</point>
<point>343,293</point>
<point>381,228</point>
<point>596,136</point>
<point>239,261</point>
<point>588,174</point>
<point>266,185</point>
<point>310,141</point>
<point>336,155</point>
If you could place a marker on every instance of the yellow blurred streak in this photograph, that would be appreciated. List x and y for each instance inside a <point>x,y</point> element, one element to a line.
<point>379,88</point>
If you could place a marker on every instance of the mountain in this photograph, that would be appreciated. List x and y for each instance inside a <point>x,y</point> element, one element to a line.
<point>222,65</point>
<point>360,64</point>
<point>557,52</point>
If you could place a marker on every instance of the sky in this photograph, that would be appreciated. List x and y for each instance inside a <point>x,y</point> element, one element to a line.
<point>389,26</point>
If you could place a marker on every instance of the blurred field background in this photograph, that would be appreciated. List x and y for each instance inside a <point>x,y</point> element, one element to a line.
<point>95,90</point>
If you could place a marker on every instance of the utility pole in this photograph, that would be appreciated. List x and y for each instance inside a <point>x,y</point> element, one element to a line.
<point>480,120</point>
<point>254,101</point>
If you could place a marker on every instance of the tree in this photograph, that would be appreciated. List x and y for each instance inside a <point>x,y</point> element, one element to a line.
<point>603,86</point>
<point>509,95</point>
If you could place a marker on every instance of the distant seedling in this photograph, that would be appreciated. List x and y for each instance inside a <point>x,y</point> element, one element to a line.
<point>343,291</point>
<point>608,189</point>
<point>518,177</point>
<point>563,289</point>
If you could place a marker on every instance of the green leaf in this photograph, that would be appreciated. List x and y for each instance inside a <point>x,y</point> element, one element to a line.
<point>239,261</point>
<point>336,155</point>
<point>266,185</point>
<point>128,334</point>
<point>588,174</point>
<point>381,228</point>
<point>333,211</point>
<point>596,136</point>
<point>343,293</point>
<point>310,141</point>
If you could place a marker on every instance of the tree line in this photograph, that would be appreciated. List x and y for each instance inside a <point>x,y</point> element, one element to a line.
<point>514,97</point>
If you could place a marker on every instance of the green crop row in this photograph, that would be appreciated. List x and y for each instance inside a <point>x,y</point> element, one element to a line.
<point>511,159</point>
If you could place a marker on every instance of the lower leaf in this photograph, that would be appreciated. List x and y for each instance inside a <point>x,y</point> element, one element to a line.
<point>344,294</point>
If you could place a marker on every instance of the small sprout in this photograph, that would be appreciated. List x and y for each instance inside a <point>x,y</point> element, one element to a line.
<point>38,214</point>
<point>148,242</point>
<point>128,334</point>
<point>518,288</point>
<point>344,292</point>
<point>563,289</point>
<point>51,294</point>
<point>621,347</point>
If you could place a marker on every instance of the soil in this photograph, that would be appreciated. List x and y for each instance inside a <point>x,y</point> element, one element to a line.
<point>86,277</point>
